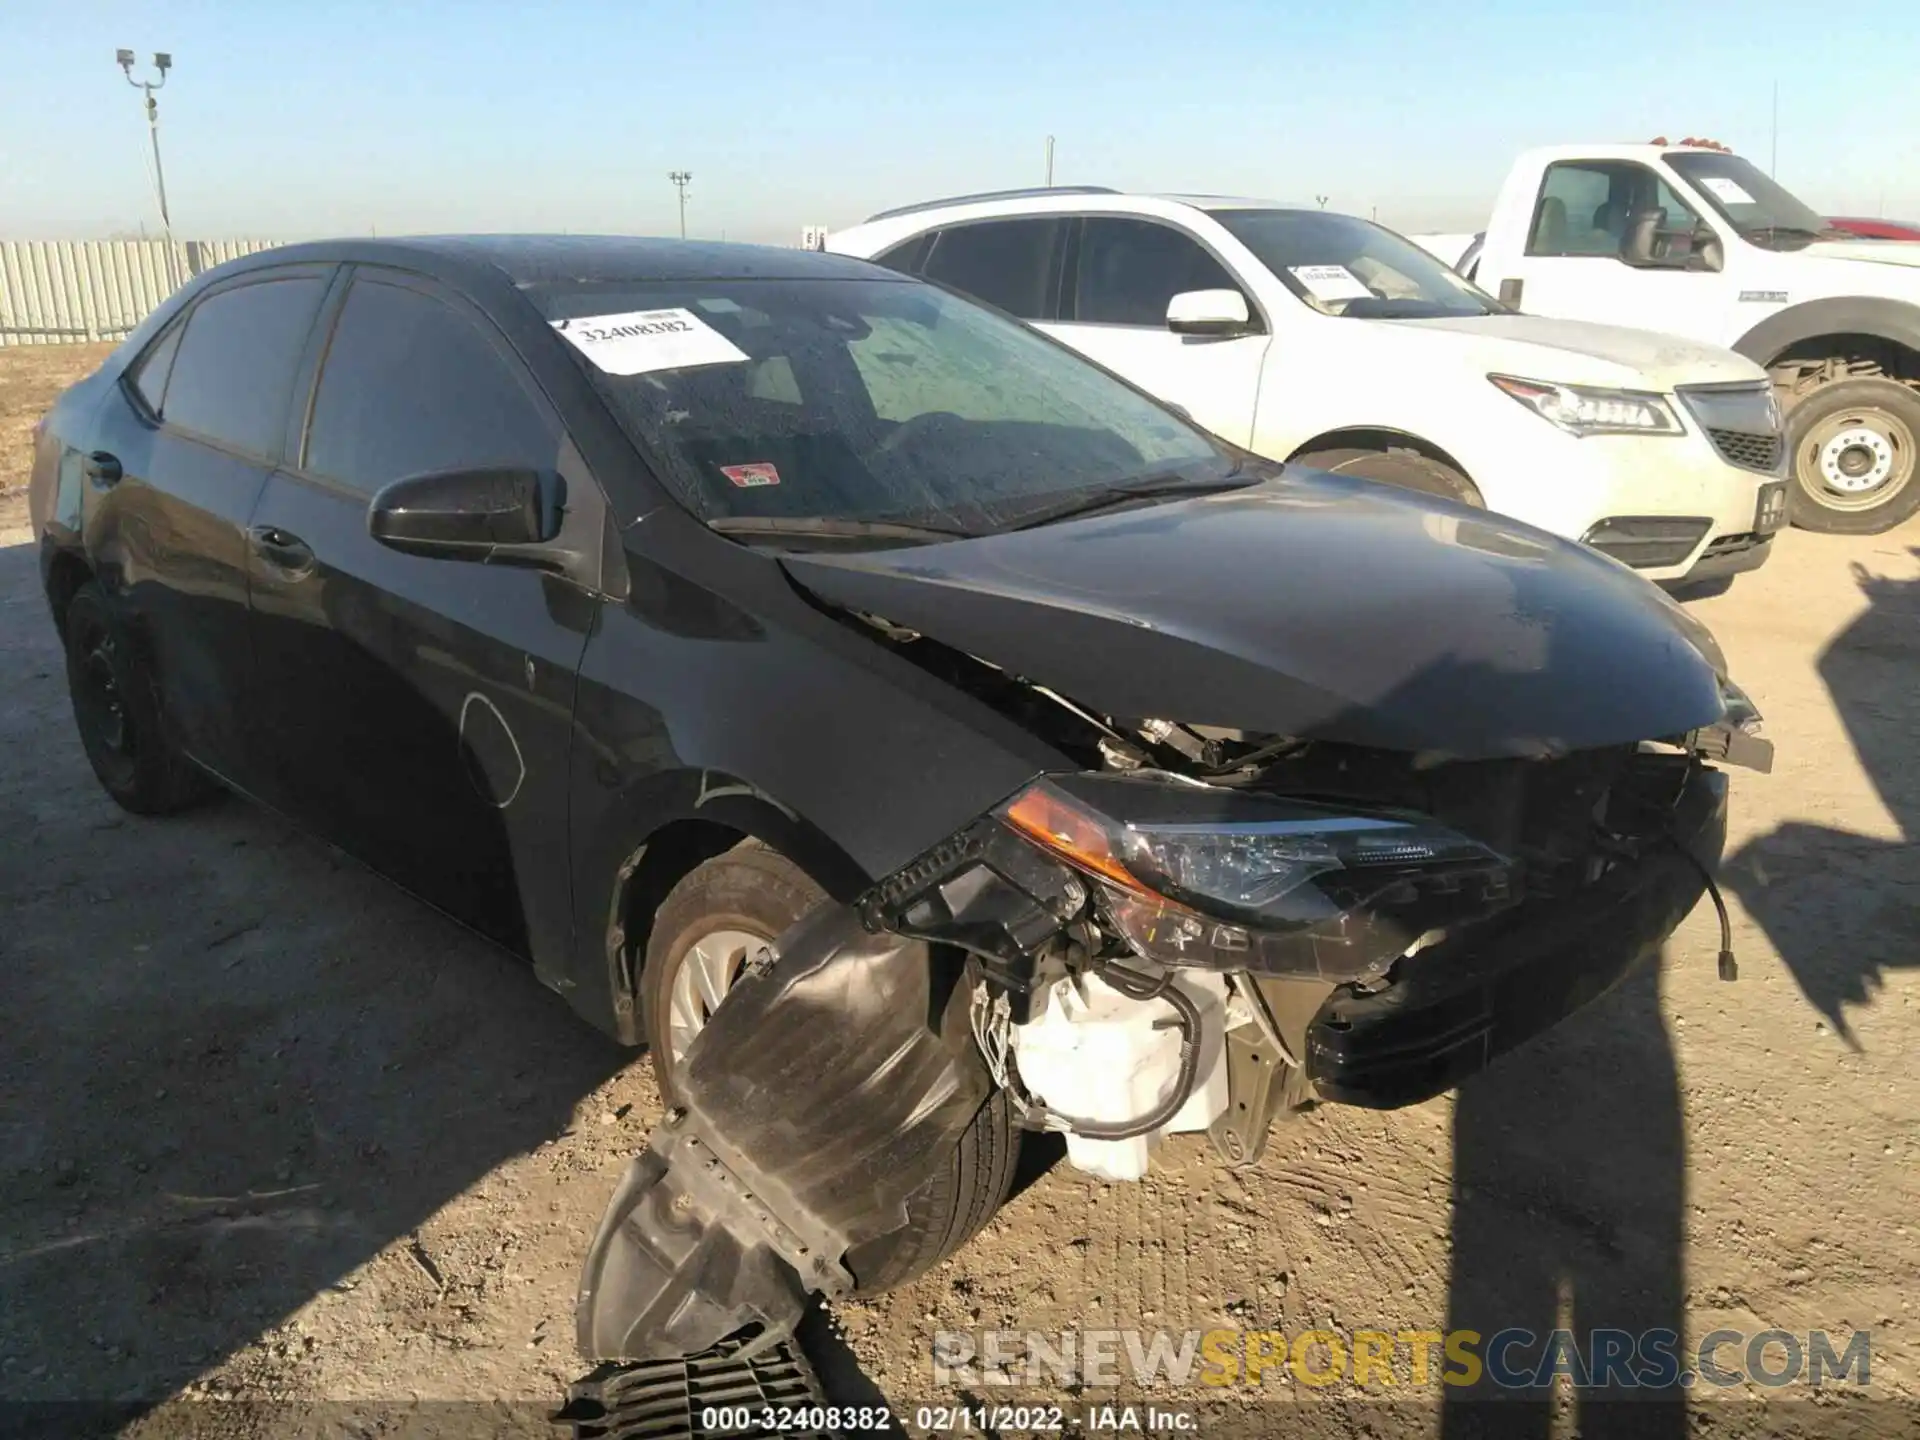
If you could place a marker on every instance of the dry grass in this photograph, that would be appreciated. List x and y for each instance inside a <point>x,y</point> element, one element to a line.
<point>31,378</point>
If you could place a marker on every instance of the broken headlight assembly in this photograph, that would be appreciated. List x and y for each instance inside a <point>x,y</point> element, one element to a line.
<point>1207,878</point>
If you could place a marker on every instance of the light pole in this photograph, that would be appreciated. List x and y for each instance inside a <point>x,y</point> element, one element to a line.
<point>680,179</point>
<point>162,62</point>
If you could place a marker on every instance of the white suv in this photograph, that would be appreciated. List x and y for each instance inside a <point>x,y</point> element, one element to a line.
<point>1312,336</point>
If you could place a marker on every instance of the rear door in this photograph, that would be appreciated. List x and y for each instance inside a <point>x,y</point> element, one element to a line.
<point>181,455</point>
<point>422,708</point>
<point>1113,308</point>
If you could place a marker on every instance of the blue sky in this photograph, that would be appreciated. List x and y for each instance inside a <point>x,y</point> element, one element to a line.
<point>289,118</point>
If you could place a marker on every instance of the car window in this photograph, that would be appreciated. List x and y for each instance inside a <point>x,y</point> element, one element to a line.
<point>1130,269</point>
<point>233,372</point>
<point>905,257</point>
<point>871,399</point>
<point>1007,263</point>
<point>411,384</point>
<point>1586,208</point>
<point>1344,266</point>
<point>150,371</point>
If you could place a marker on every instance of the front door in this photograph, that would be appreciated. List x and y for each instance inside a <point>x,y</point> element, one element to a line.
<point>1114,310</point>
<point>421,709</point>
<point>1572,267</point>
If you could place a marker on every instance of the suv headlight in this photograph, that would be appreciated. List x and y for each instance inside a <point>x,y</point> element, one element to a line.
<point>1193,876</point>
<point>1583,410</point>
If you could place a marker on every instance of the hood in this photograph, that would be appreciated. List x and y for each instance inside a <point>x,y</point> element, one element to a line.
<point>1313,606</point>
<point>1877,252</point>
<point>1574,352</point>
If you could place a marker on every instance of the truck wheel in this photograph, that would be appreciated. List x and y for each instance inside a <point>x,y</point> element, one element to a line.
<point>1408,469</point>
<point>702,935</point>
<point>118,718</point>
<point>1854,446</point>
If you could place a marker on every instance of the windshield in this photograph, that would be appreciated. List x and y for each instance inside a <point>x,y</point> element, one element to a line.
<point>772,405</point>
<point>1762,210</point>
<point>1343,266</point>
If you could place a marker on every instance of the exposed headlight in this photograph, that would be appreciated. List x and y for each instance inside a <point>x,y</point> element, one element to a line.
<point>1582,410</point>
<point>1226,880</point>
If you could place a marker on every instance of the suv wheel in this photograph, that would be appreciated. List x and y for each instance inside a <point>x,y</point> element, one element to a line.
<point>702,936</point>
<point>1408,469</point>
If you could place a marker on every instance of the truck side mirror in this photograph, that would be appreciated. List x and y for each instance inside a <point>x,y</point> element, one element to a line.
<point>1636,246</point>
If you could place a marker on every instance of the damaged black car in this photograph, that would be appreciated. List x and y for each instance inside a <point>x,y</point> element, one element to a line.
<point>912,734</point>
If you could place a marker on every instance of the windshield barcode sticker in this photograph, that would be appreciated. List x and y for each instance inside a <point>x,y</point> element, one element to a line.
<point>1726,191</point>
<point>640,341</point>
<point>1330,282</point>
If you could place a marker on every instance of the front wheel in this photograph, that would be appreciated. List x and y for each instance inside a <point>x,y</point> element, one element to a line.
<point>1854,446</point>
<point>1408,469</point>
<point>703,935</point>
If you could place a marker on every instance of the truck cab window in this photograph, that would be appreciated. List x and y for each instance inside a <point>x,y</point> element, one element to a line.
<point>1587,207</point>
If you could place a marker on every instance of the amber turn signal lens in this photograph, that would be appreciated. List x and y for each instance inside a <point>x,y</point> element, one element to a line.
<point>1055,823</point>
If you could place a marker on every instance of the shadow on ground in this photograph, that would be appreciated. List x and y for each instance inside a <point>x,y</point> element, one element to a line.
<point>1569,1155</point>
<point>236,1065</point>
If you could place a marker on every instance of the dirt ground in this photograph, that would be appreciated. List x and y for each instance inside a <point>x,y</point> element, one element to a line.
<point>271,1130</point>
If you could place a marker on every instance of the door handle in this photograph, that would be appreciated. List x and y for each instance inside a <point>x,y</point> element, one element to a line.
<point>101,468</point>
<point>277,547</point>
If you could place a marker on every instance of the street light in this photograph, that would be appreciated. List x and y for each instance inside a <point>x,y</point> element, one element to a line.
<point>680,179</point>
<point>162,62</point>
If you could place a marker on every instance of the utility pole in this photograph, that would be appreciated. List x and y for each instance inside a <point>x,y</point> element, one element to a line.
<point>162,62</point>
<point>1323,201</point>
<point>1773,158</point>
<point>680,179</point>
<point>1049,162</point>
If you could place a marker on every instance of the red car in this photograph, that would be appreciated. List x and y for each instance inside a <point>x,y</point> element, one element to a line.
<point>1875,229</point>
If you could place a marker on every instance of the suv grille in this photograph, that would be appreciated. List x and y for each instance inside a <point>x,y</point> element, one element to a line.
<point>1749,452</point>
<point>1742,421</point>
<point>1646,542</point>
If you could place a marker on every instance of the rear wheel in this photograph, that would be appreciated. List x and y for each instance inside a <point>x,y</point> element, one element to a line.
<point>1855,446</point>
<point>703,935</point>
<point>1409,469</point>
<point>118,718</point>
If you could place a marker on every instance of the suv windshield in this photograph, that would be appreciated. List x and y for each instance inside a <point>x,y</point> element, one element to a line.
<point>1762,210</point>
<point>1343,266</point>
<point>819,407</point>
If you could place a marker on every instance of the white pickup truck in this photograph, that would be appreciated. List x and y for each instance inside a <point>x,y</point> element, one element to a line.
<point>1699,242</point>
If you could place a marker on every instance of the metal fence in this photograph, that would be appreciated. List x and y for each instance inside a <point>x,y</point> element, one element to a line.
<point>56,291</point>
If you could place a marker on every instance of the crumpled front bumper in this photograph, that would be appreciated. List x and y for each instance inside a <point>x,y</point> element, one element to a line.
<point>1449,1016</point>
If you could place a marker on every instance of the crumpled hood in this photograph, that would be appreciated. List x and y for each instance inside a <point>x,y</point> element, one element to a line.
<point>1574,352</point>
<point>1313,606</point>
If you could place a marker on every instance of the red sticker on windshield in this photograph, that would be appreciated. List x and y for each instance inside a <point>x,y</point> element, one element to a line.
<point>748,476</point>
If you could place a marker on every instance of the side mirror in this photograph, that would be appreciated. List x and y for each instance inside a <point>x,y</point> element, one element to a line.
<point>1209,312</point>
<point>1643,233</point>
<point>502,516</point>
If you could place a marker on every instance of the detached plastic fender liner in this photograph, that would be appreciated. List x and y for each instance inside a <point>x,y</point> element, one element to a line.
<point>818,1098</point>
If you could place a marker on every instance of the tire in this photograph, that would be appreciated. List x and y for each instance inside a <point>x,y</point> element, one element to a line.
<point>753,893</point>
<point>1854,446</point>
<point>1408,469</point>
<point>118,717</point>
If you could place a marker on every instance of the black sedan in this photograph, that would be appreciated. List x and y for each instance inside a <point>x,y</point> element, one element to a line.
<point>641,605</point>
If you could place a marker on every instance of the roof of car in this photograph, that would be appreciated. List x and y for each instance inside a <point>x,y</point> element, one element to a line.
<point>538,259</point>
